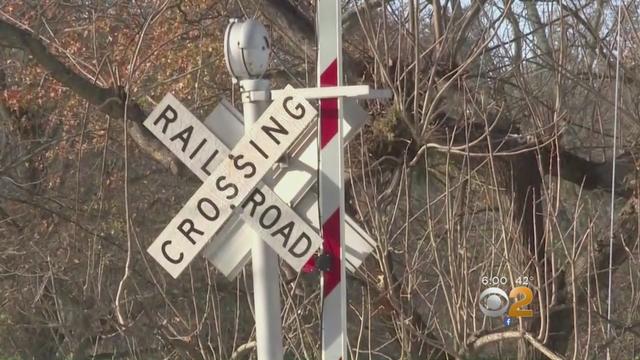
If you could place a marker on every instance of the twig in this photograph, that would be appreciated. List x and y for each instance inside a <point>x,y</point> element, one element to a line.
<point>242,349</point>
<point>482,341</point>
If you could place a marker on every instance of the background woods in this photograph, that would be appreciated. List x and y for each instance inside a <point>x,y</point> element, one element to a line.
<point>495,158</point>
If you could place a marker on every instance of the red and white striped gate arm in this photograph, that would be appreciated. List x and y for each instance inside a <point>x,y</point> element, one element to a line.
<point>331,191</point>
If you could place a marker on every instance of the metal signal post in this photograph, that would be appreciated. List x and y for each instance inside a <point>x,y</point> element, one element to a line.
<point>247,54</point>
<point>331,183</point>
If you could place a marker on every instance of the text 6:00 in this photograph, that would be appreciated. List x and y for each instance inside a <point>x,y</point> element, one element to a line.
<point>493,280</point>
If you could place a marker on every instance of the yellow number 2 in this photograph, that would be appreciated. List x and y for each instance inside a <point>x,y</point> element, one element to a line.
<point>516,309</point>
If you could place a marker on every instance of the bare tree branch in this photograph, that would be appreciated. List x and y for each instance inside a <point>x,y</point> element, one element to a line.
<point>477,343</point>
<point>108,101</point>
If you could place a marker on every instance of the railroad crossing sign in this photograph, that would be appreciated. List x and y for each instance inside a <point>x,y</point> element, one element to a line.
<point>174,126</point>
<point>230,185</point>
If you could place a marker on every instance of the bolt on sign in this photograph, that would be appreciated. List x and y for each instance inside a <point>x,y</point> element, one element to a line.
<point>231,182</point>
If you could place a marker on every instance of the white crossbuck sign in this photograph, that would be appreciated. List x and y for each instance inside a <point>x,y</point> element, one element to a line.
<point>232,185</point>
<point>233,180</point>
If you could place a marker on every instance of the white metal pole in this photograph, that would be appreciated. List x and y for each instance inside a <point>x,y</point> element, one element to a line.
<point>266,276</point>
<point>331,182</point>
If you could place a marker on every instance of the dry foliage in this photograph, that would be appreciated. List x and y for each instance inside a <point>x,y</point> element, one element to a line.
<point>493,159</point>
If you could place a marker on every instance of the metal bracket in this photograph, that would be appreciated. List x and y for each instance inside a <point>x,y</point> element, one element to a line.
<point>259,96</point>
<point>354,91</point>
<point>323,262</point>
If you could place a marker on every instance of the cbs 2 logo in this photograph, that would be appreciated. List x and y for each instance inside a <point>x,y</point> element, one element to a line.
<point>494,302</point>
